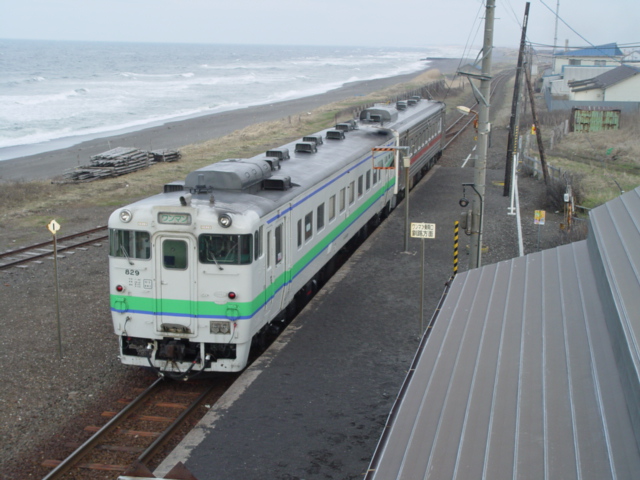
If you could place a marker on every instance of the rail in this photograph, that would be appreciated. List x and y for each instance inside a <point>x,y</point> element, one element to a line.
<point>63,244</point>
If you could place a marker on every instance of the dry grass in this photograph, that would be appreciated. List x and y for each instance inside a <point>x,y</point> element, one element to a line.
<point>607,163</point>
<point>27,204</point>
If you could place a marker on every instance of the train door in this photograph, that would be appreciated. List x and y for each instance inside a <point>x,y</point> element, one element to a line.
<point>175,289</point>
<point>276,267</point>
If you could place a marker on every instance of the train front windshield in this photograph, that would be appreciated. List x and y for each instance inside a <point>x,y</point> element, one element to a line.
<point>227,249</point>
<point>129,244</point>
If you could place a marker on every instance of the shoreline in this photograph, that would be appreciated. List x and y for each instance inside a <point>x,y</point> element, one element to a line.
<point>176,134</point>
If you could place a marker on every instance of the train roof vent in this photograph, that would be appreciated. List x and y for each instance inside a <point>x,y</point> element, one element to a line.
<point>379,114</point>
<point>279,153</point>
<point>173,187</point>
<point>277,182</point>
<point>412,102</point>
<point>273,162</point>
<point>317,139</point>
<point>306,147</point>
<point>335,135</point>
<point>402,105</point>
<point>348,124</point>
<point>230,174</point>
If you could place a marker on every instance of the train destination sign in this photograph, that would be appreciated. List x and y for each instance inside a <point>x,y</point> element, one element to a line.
<point>174,218</point>
<point>423,230</point>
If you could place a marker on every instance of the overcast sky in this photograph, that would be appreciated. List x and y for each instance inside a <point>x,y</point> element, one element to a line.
<point>411,23</point>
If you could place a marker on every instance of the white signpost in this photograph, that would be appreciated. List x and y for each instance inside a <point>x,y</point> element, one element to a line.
<point>53,227</point>
<point>423,231</point>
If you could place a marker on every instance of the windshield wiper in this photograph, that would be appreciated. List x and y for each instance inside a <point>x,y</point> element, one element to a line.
<point>124,251</point>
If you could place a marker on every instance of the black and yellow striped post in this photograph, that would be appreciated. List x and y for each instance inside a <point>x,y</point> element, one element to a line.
<point>456,226</point>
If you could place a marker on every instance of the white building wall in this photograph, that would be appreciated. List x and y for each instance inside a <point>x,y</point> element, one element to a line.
<point>561,63</point>
<point>626,91</point>
<point>594,95</point>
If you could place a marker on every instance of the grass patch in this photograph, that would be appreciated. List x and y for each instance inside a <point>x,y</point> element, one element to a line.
<point>607,162</point>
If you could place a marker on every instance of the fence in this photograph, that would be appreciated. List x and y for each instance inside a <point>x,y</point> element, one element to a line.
<point>534,165</point>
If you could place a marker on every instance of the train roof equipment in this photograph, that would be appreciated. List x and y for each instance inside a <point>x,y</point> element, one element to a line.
<point>317,139</point>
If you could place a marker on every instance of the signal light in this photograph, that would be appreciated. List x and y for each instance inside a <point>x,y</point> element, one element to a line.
<point>119,288</point>
<point>232,295</point>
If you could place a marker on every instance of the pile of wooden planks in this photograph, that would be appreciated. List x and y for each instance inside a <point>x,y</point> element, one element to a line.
<point>119,161</point>
<point>165,155</point>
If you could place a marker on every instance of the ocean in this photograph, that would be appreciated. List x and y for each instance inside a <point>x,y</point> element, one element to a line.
<point>52,90</point>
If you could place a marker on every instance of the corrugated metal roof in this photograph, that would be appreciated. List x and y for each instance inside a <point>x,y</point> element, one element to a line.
<point>605,80</point>
<point>607,50</point>
<point>519,377</point>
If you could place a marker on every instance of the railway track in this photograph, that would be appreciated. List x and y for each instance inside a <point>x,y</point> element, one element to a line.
<point>498,81</point>
<point>135,434</point>
<point>38,251</point>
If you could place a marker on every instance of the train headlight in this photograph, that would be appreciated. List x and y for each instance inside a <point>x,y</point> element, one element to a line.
<point>223,328</point>
<point>125,216</point>
<point>224,220</point>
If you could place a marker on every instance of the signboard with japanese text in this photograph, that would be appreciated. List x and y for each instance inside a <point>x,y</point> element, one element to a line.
<point>423,230</point>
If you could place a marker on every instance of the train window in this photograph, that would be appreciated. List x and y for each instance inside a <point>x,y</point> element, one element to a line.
<point>332,207</point>
<point>279,249</point>
<point>268,249</point>
<point>360,185</point>
<point>342,200</point>
<point>257,240</point>
<point>129,244</point>
<point>174,254</point>
<point>320,217</point>
<point>228,249</point>
<point>368,180</point>
<point>352,192</point>
<point>299,233</point>
<point>308,226</point>
<point>375,176</point>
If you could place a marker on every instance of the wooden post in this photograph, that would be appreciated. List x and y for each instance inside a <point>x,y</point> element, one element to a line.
<point>545,173</point>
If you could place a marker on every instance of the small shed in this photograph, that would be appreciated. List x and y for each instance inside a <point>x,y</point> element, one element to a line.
<point>594,120</point>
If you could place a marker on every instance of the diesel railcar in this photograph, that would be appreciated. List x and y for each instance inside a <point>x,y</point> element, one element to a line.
<point>203,268</point>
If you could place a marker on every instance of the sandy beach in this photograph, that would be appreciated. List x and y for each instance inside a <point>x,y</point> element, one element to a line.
<point>176,134</point>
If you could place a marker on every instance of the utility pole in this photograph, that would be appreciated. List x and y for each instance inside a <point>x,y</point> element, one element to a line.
<point>536,124</point>
<point>512,141</point>
<point>484,127</point>
<point>555,36</point>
